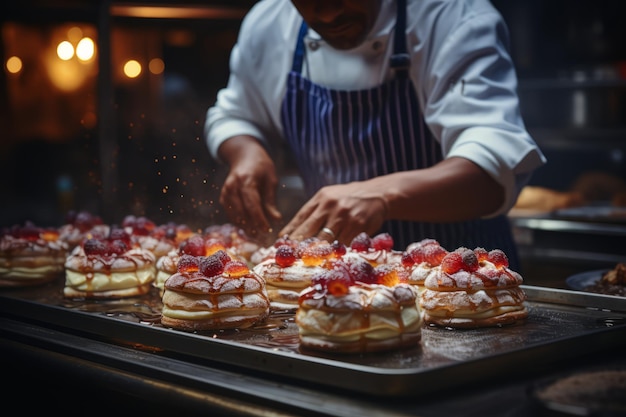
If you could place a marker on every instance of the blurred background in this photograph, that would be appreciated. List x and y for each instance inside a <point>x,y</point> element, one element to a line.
<point>102,105</point>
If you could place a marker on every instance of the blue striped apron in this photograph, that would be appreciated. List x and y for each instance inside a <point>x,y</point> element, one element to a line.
<point>339,136</point>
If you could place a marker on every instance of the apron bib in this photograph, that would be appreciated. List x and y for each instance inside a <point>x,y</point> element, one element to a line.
<point>339,136</point>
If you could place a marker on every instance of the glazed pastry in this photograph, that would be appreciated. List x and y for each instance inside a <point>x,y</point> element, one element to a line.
<point>292,267</point>
<point>111,267</point>
<point>195,245</point>
<point>423,259</point>
<point>81,225</point>
<point>166,266</point>
<point>474,288</point>
<point>353,307</point>
<point>31,255</point>
<point>376,250</point>
<point>144,233</point>
<point>164,238</point>
<point>238,243</point>
<point>213,292</point>
<point>264,253</point>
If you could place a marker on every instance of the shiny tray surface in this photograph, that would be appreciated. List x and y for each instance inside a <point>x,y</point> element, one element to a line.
<point>562,324</point>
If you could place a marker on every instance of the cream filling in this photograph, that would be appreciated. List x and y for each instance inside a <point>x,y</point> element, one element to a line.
<point>207,315</point>
<point>288,285</point>
<point>98,281</point>
<point>285,297</point>
<point>297,275</point>
<point>469,314</point>
<point>419,289</point>
<point>161,277</point>
<point>31,273</point>
<point>348,327</point>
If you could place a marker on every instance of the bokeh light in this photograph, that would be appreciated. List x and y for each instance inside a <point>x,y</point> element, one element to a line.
<point>132,68</point>
<point>65,50</point>
<point>14,65</point>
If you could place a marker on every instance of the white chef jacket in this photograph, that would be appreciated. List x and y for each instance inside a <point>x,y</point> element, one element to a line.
<point>460,66</point>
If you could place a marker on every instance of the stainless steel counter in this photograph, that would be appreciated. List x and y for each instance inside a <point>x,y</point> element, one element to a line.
<point>117,355</point>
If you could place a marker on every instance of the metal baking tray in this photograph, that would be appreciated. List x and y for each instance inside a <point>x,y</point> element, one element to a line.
<point>561,326</point>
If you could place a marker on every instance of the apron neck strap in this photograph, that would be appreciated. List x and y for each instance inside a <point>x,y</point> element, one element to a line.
<point>400,60</point>
<point>298,56</point>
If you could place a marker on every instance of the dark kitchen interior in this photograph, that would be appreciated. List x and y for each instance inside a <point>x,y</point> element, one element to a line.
<point>89,135</point>
<point>115,145</point>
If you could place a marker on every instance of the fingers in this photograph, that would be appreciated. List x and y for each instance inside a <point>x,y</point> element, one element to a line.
<point>315,218</point>
<point>244,208</point>
<point>250,203</point>
<point>248,193</point>
<point>337,213</point>
<point>303,224</point>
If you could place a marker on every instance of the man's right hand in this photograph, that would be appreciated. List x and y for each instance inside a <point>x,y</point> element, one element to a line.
<point>249,191</point>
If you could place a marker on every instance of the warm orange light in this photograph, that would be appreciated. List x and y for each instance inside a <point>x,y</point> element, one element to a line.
<point>65,50</point>
<point>66,75</point>
<point>74,34</point>
<point>132,68</point>
<point>85,49</point>
<point>156,66</point>
<point>174,12</point>
<point>14,65</point>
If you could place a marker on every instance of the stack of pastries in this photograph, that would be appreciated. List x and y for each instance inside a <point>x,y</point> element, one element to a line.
<point>213,292</point>
<point>30,255</point>
<point>196,245</point>
<point>109,267</point>
<point>377,250</point>
<point>474,288</point>
<point>292,266</point>
<point>357,298</point>
<point>289,265</point>
<point>235,239</point>
<point>423,259</point>
<point>354,307</point>
<point>81,225</point>
<point>160,239</point>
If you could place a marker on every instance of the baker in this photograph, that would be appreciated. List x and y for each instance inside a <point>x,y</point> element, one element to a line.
<point>402,116</point>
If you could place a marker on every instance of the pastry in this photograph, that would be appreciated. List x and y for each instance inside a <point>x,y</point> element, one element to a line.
<point>166,266</point>
<point>111,267</point>
<point>158,239</point>
<point>80,225</point>
<point>164,238</point>
<point>376,250</point>
<point>235,239</point>
<point>546,200</point>
<point>611,282</point>
<point>30,255</point>
<point>423,259</point>
<point>213,292</point>
<point>353,307</point>
<point>195,245</point>
<point>145,233</point>
<point>263,253</point>
<point>292,267</point>
<point>473,288</point>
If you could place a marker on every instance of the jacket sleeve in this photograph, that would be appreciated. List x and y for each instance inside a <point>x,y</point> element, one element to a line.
<point>471,103</point>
